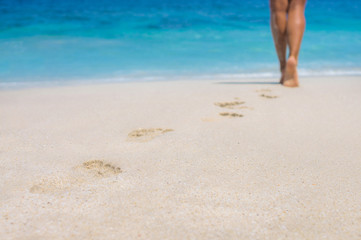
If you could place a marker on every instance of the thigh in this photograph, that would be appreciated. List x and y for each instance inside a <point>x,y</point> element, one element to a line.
<point>293,4</point>
<point>279,5</point>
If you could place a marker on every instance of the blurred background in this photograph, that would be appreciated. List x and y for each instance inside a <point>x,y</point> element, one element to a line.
<point>52,41</point>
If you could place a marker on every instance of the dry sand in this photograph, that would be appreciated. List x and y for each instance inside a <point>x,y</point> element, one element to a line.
<point>182,160</point>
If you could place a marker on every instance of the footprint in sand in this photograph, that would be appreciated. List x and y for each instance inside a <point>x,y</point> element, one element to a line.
<point>100,169</point>
<point>144,135</point>
<point>268,96</point>
<point>53,183</point>
<point>266,93</point>
<point>88,171</point>
<point>231,115</point>
<point>230,105</point>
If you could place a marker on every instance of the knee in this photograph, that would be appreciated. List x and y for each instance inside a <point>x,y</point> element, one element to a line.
<point>278,6</point>
<point>279,20</point>
<point>298,20</point>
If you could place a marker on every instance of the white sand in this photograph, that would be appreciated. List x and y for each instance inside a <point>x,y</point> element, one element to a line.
<point>290,168</point>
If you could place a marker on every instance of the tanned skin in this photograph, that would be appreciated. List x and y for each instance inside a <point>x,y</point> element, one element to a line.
<point>288,25</point>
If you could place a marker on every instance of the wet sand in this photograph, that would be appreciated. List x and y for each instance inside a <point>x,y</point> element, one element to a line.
<point>182,160</point>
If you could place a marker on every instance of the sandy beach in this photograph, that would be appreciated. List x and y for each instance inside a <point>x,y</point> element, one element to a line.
<point>245,159</point>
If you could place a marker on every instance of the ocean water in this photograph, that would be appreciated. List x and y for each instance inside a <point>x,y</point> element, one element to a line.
<point>51,41</point>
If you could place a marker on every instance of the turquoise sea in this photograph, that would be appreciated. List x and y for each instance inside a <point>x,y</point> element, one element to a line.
<point>50,41</point>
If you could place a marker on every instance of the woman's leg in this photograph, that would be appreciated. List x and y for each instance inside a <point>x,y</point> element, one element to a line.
<point>295,28</point>
<point>279,30</point>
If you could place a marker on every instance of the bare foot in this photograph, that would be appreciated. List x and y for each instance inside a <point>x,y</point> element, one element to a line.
<point>290,76</point>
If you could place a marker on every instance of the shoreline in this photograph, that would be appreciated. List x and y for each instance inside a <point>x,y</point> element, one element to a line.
<point>243,77</point>
<point>183,159</point>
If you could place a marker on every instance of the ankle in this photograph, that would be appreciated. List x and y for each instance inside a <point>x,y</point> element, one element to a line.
<point>292,58</point>
<point>292,61</point>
